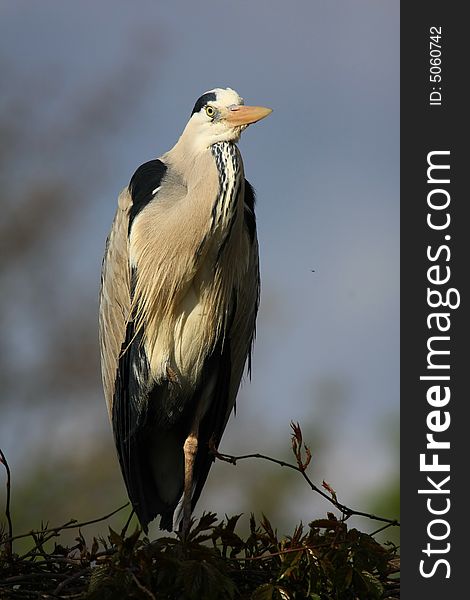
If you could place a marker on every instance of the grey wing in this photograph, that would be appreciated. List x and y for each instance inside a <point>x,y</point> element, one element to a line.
<point>115,297</point>
<point>124,366</point>
<point>125,370</point>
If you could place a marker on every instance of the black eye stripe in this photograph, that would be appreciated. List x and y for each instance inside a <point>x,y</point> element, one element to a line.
<point>202,101</point>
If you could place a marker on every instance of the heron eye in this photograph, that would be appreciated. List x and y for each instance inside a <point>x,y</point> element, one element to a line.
<point>210,111</point>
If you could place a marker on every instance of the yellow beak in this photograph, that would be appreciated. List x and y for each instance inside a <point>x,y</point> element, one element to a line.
<point>244,115</point>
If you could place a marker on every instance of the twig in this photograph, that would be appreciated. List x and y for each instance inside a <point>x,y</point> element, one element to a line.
<point>29,576</point>
<point>40,538</point>
<point>72,524</point>
<point>142,587</point>
<point>51,559</point>
<point>65,583</point>
<point>345,510</point>
<point>281,552</point>
<point>124,529</point>
<point>9,540</point>
<point>97,520</point>
<point>380,529</point>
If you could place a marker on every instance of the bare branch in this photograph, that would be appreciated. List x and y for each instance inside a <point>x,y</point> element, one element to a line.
<point>9,541</point>
<point>300,467</point>
<point>72,524</point>
<point>142,588</point>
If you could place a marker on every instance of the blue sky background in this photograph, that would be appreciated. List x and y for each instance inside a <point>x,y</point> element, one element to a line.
<point>325,166</point>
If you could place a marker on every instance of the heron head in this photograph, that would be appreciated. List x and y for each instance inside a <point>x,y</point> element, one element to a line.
<point>220,115</point>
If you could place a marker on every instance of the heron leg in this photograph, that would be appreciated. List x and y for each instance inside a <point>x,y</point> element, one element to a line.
<point>190,451</point>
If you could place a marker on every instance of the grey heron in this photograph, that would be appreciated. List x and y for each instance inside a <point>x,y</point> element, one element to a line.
<point>178,304</point>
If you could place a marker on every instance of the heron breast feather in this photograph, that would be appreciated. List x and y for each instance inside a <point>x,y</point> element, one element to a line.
<point>185,337</point>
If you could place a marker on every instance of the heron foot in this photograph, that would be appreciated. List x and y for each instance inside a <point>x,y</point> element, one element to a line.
<point>172,375</point>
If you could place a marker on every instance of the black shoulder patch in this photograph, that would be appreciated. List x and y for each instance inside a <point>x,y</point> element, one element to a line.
<point>203,100</point>
<point>250,219</point>
<point>143,184</point>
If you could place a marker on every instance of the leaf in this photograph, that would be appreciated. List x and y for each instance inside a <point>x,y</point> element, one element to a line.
<point>266,525</point>
<point>206,523</point>
<point>94,547</point>
<point>263,592</point>
<point>329,489</point>
<point>293,565</point>
<point>105,585</point>
<point>115,538</point>
<point>98,576</point>
<point>202,579</point>
<point>373,585</point>
<point>252,523</point>
<point>296,432</point>
<point>327,524</point>
<point>344,577</point>
<point>297,534</point>
<point>232,522</point>
<point>132,541</point>
<point>308,457</point>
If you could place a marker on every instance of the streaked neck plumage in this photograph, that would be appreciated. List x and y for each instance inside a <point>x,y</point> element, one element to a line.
<point>230,171</point>
<point>191,158</point>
